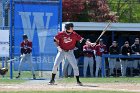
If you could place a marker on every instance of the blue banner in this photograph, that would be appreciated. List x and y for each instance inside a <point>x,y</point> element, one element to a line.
<point>40,23</point>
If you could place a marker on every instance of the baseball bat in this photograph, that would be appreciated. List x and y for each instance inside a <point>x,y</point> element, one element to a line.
<point>104,30</point>
<point>11,60</point>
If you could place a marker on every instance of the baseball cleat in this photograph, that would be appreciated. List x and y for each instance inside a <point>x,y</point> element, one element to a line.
<point>79,83</point>
<point>18,76</point>
<point>51,82</point>
<point>34,77</point>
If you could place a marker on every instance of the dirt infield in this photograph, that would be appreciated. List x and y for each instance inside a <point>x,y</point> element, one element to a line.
<point>35,85</point>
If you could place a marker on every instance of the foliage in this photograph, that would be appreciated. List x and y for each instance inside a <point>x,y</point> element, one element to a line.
<point>127,10</point>
<point>71,8</point>
<point>87,10</point>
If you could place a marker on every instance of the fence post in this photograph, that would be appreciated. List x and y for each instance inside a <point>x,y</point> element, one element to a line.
<point>11,70</point>
<point>60,13</point>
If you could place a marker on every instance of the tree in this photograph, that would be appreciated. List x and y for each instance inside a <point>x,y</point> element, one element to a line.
<point>127,10</point>
<point>90,10</point>
<point>99,11</point>
<point>71,8</point>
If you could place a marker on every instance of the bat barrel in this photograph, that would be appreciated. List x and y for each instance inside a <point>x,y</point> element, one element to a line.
<point>104,30</point>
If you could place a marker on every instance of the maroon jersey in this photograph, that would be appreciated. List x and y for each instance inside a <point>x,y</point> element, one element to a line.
<point>88,50</point>
<point>67,41</point>
<point>100,49</point>
<point>26,47</point>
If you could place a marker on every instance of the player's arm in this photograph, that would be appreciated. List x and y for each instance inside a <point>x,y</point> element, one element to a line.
<point>84,50</point>
<point>56,41</point>
<point>21,49</point>
<point>87,42</point>
<point>84,41</point>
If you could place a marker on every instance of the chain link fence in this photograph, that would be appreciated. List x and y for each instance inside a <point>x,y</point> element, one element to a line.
<point>1,7</point>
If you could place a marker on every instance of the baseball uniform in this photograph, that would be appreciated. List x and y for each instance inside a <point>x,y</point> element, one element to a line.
<point>88,59</point>
<point>26,56</point>
<point>99,49</point>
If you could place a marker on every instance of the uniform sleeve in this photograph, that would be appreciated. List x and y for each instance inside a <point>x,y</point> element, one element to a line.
<point>29,49</point>
<point>30,45</point>
<point>21,45</point>
<point>21,48</point>
<point>58,36</point>
<point>78,37</point>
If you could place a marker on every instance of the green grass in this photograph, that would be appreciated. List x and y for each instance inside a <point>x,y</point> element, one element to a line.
<point>102,80</point>
<point>69,92</point>
<point>24,77</point>
<point>73,80</point>
<point>11,81</point>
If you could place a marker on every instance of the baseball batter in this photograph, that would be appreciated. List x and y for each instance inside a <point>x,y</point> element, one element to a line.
<point>65,42</point>
<point>26,49</point>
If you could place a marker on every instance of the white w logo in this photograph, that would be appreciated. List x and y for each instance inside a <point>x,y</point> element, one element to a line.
<point>40,22</point>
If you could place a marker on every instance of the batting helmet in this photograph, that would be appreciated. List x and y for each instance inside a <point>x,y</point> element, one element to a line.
<point>25,36</point>
<point>3,71</point>
<point>68,25</point>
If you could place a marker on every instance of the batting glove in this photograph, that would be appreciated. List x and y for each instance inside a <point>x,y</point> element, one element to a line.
<point>59,49</point>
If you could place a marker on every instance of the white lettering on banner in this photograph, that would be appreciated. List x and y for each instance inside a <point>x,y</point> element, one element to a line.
<point>39,59</point>
<point>44,59</point>
<point>41,25</point>
<point>33,59</point>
